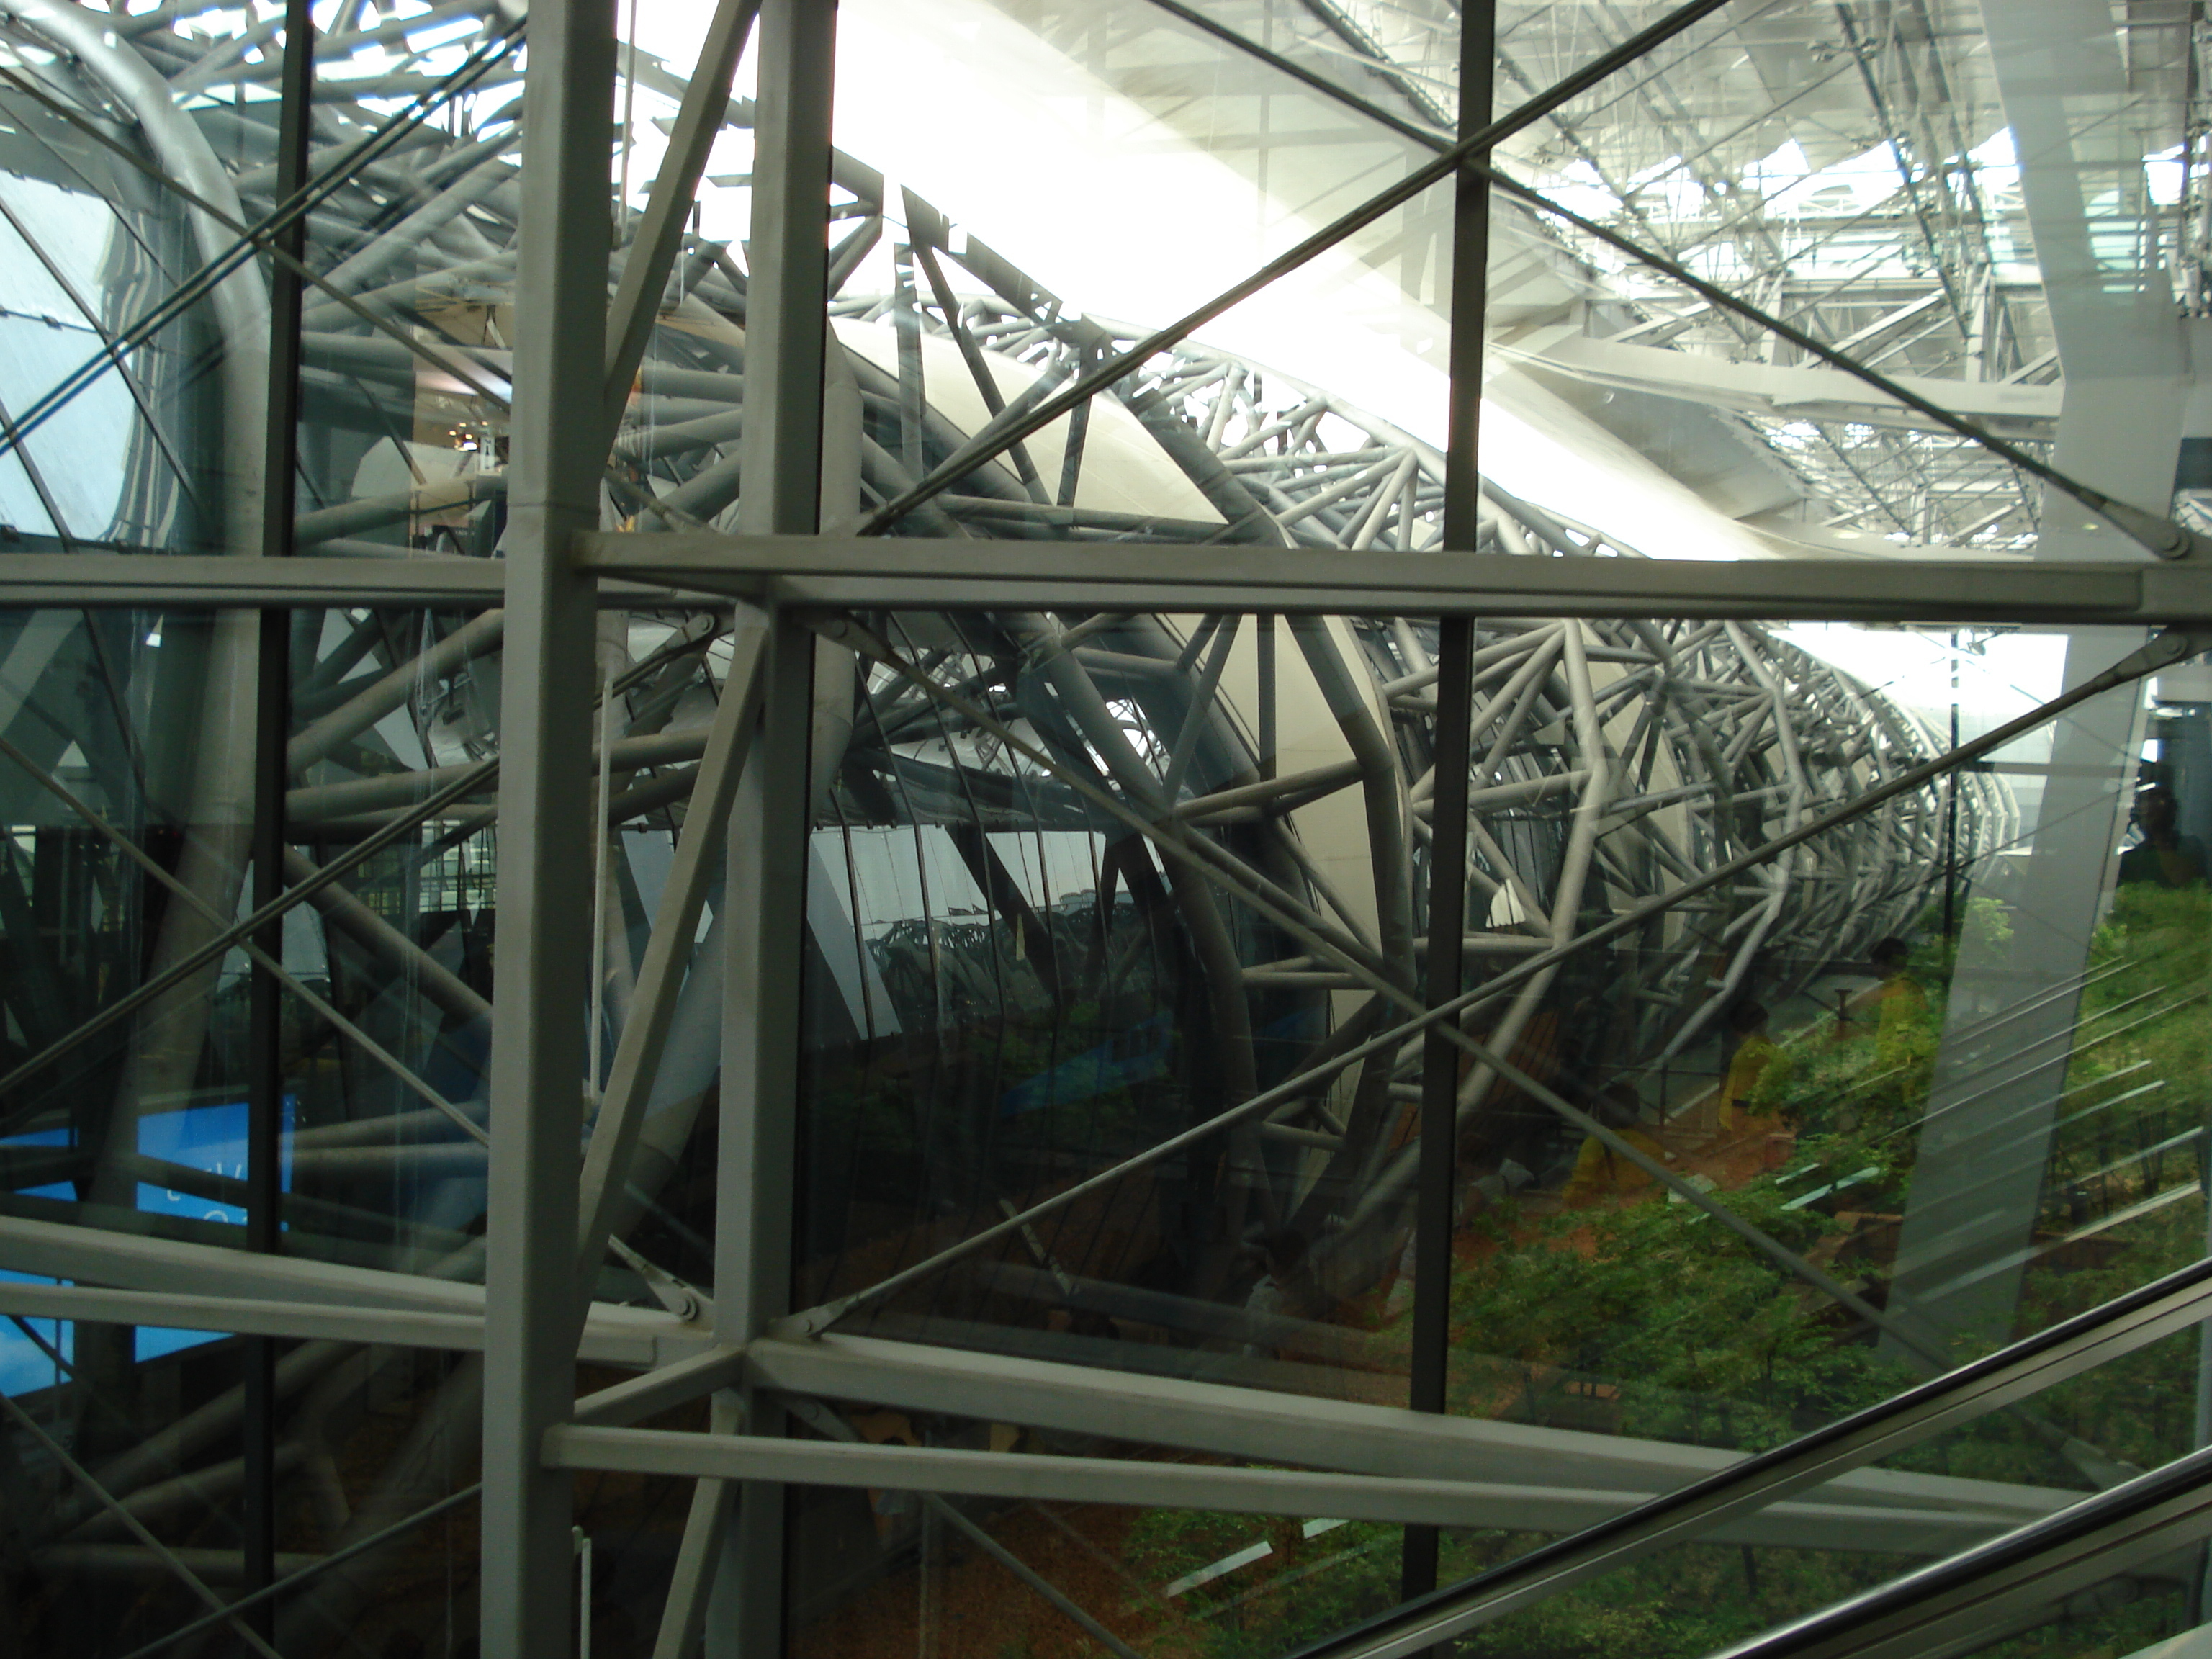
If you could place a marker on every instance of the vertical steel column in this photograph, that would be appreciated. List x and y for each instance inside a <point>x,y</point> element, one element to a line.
<point>1268,737</point>
<point>264,1127</point>
<point>785,332</point>
<point>558,453</point>
<point>757,1144</point>
<point>787,300</point>
<point>1440,1058</point>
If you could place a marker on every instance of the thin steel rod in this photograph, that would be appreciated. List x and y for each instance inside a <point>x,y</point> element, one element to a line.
<point>830,1423</point>
<point>321,1565</point>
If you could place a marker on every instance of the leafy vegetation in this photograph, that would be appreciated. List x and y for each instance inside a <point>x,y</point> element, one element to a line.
<point>1653,1320</point>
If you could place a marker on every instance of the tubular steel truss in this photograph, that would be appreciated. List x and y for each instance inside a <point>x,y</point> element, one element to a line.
<point>1237,740</point>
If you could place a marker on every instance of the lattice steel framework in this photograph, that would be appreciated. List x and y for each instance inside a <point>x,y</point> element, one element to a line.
<point>655,499</point>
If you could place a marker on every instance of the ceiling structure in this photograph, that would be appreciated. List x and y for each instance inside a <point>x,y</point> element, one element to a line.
<point>1847,168</point>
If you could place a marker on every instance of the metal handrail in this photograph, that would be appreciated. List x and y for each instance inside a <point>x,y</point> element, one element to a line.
<point>1976,1591</point>
<point>2034,1363</point>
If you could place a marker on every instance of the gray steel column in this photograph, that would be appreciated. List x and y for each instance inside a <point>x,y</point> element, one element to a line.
<point>1430,1358</point>
<point>1978,1180</point>
<point>786,317</point>
<point>558,452</point>
<point>786,301</point>
<point>756,1146</point>
<point>272,709</point>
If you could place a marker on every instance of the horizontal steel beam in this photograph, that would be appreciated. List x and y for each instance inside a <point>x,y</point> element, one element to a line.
<point>158,581</point>
<point>1347,1436</point>
<point>832,572</point>
<point>1801,391</point>
<point>615,1340</point>
<point>154,581</point>
<point>1147,1485</point>
<point>172,1267</point>
<point>284,1296</point>
<point>842,572</point>
<point>636,1398</point>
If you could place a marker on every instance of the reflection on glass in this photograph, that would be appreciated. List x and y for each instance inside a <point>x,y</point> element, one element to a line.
<point>1011,988</point>
<point>2140,1615</point>
<point>1014,987</point>
<point>1080,881</point>
<point>880,1573</point>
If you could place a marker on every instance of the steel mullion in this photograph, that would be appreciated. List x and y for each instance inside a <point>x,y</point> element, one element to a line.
<point>264,1136</point>
<point>537,1074</point>
<point>1428,1357</point>
<point>1266,1491</point>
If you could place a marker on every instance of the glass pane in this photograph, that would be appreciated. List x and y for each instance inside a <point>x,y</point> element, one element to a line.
<point>2003,1468</point>
<point>1822,1164</point>
<point>1141,132</point>
<point>877,1573</point>
<point>162,1435</point>
<point>135,342</point>
<point>404,342</point>
<point>2148,1615</point>
<point>1009,994</point>
<point>136,1122</point>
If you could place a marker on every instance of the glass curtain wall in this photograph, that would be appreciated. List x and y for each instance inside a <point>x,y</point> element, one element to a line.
<point>1113,920</point>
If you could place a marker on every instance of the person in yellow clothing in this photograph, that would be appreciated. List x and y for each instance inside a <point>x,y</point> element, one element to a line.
<point>1757,1065</point>
<point>1600,1172</point>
